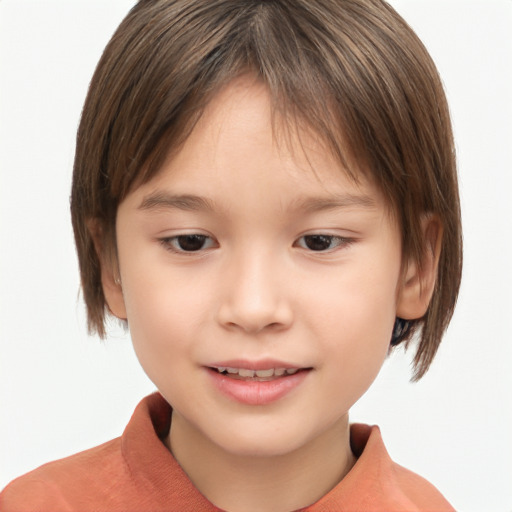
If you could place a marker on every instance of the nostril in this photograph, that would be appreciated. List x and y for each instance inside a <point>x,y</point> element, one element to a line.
<point>254,314</point>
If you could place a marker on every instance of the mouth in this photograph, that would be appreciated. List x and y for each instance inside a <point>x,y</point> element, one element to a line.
<point>256,383</point>
<point>263,375</point>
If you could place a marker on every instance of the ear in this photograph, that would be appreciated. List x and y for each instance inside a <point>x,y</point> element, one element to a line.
<point>419,280</point>
<point>110,278</point>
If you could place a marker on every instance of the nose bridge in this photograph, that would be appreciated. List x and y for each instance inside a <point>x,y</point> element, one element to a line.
<point>254,297</point>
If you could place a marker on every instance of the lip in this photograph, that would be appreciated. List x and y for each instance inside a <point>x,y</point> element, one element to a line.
<point>255,392</point>
<point>263,364</point>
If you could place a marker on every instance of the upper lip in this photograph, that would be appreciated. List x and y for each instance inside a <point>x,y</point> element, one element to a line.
<point>262,364</point>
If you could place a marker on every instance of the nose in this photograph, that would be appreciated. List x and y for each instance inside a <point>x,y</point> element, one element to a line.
<point>254,297</point>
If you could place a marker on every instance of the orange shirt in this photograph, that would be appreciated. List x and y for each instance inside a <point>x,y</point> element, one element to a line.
<point>136,472</point>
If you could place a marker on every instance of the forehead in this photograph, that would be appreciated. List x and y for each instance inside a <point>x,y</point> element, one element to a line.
<point>240,128</point>
<point>240,156</point>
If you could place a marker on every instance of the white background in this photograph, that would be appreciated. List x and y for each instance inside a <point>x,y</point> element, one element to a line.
<point>62,392</point>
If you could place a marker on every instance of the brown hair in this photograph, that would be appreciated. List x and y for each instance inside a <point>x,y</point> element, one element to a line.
<point>351,70</point>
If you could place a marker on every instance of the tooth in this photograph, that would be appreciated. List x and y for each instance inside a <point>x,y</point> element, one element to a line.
<point>246,373</point>
<point>232,370</point>
<point>265,373</point>
<point>221,369</point>
<point>279,371</point>
<point>291,371</point>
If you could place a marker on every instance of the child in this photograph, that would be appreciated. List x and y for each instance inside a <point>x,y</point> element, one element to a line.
<point>265,191</point>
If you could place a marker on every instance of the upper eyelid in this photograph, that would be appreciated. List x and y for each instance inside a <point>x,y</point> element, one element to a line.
<point>166,242</point>
<point>185,232</point>
<point>327,233</point>
<point>342,239</point>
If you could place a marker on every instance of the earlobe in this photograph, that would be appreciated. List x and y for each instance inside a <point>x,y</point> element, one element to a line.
<point>110,280</point>
<point>113,291</point>
<point>420,278</point>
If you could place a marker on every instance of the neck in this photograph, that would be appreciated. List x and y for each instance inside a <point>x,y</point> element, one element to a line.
<point>280,483</point>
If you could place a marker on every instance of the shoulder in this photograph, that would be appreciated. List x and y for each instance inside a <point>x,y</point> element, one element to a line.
<point>378,483</point>
<point>420,491</point>
<point>132,473</point>
<point>390,480</point>
<point>60,484</point>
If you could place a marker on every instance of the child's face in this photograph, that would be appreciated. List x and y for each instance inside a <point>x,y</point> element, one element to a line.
<point>237,254</point>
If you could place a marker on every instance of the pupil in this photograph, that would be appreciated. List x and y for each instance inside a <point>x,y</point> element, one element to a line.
<point>191,242</point>
<point>318,242</point>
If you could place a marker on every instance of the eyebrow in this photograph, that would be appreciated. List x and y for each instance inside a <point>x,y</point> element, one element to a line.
<point>187,202</point>
<point>316,204</point>
<point>162,200</point>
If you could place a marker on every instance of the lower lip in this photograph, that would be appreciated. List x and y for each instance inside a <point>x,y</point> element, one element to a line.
<point>252,392</point>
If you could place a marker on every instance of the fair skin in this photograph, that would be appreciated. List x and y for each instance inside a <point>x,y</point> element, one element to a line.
<point>254,254</point>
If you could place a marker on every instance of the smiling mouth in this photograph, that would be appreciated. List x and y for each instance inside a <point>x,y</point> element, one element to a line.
<point>247,374</point>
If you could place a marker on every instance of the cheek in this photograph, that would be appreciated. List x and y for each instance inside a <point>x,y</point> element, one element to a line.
<point>359,312</point>
<point>359,304</point>
<point>166,314</point>
<point>356,349</point>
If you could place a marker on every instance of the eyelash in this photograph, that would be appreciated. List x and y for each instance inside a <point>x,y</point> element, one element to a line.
<point>174,243</point>
<point>338,241</point>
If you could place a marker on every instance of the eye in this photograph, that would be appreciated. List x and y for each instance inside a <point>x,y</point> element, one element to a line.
<point>321,243</point>
<point>188,243</point>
